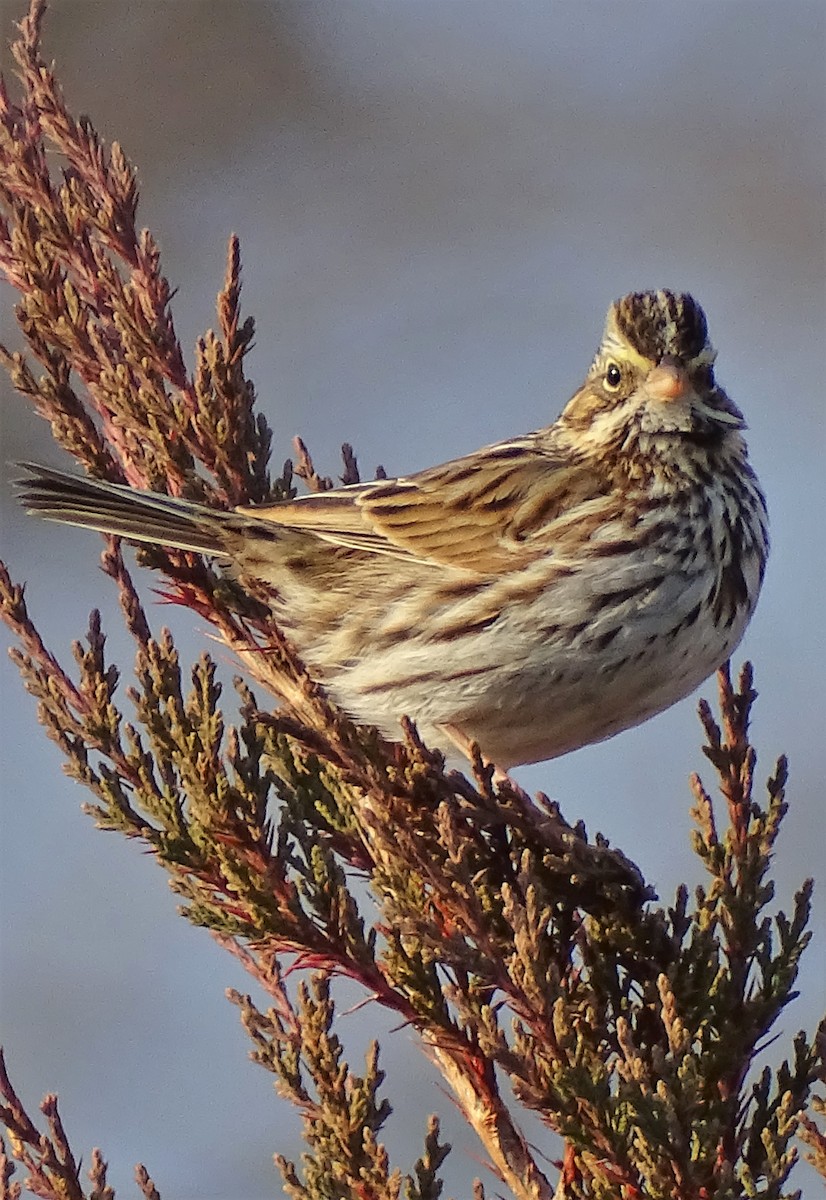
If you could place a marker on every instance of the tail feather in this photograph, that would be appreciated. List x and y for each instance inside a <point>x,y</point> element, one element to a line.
<point>124,511</point>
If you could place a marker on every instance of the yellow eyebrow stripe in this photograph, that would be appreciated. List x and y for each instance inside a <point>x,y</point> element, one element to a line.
<point>635,359</point>
<point>614,348</point>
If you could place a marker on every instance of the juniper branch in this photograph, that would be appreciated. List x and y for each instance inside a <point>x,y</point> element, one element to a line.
<point>525,956</point>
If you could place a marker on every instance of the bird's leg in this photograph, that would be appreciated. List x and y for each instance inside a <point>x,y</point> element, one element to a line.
<point>470,748</point>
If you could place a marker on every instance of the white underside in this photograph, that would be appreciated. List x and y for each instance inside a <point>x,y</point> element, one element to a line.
<point>533,696</point>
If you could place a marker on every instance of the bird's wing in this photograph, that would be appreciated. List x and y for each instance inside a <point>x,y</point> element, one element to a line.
<point>486,513</point>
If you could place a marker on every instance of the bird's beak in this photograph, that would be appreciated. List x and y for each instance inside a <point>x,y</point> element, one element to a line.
<point>668,380</point>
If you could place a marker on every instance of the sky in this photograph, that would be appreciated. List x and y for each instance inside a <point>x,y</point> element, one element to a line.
<point>436,205</point>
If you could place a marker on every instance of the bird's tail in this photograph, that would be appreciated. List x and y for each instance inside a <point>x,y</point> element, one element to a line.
<point>124,511</point>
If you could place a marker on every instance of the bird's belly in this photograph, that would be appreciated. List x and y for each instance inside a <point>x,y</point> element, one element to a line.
<point>591,653</point>
<point>597,695</point>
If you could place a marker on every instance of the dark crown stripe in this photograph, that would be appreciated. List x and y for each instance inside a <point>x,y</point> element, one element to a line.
<point>660,323</point>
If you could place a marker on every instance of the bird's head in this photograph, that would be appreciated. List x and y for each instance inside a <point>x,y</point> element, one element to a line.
<point>651,381</point>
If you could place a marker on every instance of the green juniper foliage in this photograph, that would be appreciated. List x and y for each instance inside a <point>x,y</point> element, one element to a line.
<point>535,965</point>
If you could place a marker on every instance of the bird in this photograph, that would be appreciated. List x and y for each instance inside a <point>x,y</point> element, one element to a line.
<point>530,598</point>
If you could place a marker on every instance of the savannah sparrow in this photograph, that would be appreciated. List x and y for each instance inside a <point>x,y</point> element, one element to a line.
<point>534,596</point>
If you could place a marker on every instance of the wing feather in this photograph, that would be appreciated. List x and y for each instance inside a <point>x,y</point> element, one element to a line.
<point>486,513</point>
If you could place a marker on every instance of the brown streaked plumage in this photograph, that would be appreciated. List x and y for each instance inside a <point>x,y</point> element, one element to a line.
<point>535,595</point>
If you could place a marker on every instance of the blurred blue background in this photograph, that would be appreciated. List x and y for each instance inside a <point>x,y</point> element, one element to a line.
<point>436,204</point>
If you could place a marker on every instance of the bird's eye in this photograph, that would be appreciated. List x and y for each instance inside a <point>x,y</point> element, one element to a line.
<point>613,377</point>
